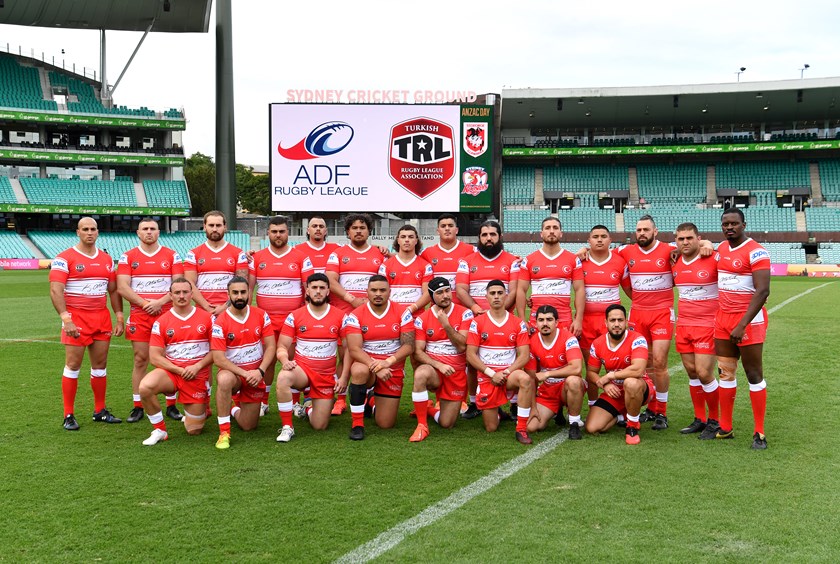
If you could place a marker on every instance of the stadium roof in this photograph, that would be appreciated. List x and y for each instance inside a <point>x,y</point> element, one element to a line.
<point>172,16</point>
<point>786,101</point>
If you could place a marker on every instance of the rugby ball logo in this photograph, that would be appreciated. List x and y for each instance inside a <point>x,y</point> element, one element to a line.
<point>325,140</point>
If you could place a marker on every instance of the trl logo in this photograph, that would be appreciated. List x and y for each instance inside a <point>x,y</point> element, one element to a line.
<point>325,140</point>
<point>422,158</point>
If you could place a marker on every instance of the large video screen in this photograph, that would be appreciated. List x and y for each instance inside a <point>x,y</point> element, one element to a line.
<point>370,157</point>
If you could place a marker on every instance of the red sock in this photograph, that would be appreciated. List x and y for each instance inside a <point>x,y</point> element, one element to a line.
<point>712,402</point>
<point>653,405</point>
<point>358,419</point>
<point>169,401</point>
<point>633,424</point>
<point>759,406</point>
<point>68,393</point>
<point>727,406</point>
<point>139,404</point>
<point>161,426</point>
<point>662,407</point>
<point>432,411</point>
<point>286,418</point>
<point>224,428</point>
<point>98,385</point>
<point>295,397</point>
<point>421,408</point>
<point>522,424</point>
<point>698,401</point>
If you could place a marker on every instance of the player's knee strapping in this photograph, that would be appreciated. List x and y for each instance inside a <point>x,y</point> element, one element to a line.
<point>74,374</point>
<point>194,422</point>
<point>727,366</point>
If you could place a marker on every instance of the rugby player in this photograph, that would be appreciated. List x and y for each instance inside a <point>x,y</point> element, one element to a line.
<point>447,253</point>
<point>243,346</point>
<point>179,349</point>
<point>440,339</point>
<point>82,280</point>
<point>316,247</point>
<point>380,336</point>
<point>741,322</point>
<point>407,273</point>
<point>349,268</point>
<point>626,387</point>
<point>556,364</point>
<point>550,273</point>
<point>278,273</point>
<point>313,333</point>
<point>497,347</point>
<point>489,262</point>
<point>696,279</point>
<point>144,276</point>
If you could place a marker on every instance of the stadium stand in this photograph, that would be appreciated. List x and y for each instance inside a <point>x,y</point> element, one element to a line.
<point>672,182</point>
<point>53,242</point>
<point>79,192</point>
<point>518,183</point>
<point>87,102</point>
<point>20,87</point>
<point>165,193</point>
<point>669,216</point>
<point>586,178</point>
<point>12,247</point>
<point>762,175</point>
<point>7,194</point>
<point>786,253</point>
<point>830,180</point>
<point>822,219</point>
<point>829,253</point>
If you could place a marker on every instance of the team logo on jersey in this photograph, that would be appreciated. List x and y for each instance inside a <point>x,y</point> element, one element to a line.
<point>364,328</point>
<point>132,328</point>
<point>430,332</point>
<point>422,156</point>
<point>660,262</point>
<point>376,262</point>
<point>261,266</point>
<point>200,261</point>
<point>613,275</point>
<point>230,336</point>
<point>736,263</point>
<point>434,261</point>
<point>395,327</point>
<point>170,332</point>
<point>392,275</point>
<point>512,337</point>
<point>80,268</point>
<point>703,274</point>
<point>627,359</point>
<point>567,269</point>
<point>631,262</point>
<point>475,138</point>
<point>333,329</point>
<point>473,269</point>
<point>345,260</point>
<point>417,276</point>
<point>293,266</point>
<point>230,261</point>
<point>302,329</point>
<point>505,269</point>
<point>201,329</point>
<point>484,336</point>
<point>135,264</point>
<point>164,265</point>
<point>535,269</point>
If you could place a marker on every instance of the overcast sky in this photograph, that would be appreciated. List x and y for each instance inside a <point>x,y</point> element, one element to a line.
<point>448,45</point>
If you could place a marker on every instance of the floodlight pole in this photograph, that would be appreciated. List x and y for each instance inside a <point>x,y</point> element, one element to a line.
<point>225,147</point>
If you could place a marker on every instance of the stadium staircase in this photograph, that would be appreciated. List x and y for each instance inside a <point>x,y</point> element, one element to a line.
<point>800,222</point>
<point>46,90</point>
<point>816,184</point>
<point>633,180</point>
<point>33,248</point>
<point>539,195</point>
<point>619,222</point>
<point>711,185</point>
<point>140,194</point>
<point>20,195</point>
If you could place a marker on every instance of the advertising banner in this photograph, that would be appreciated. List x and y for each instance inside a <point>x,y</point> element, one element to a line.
<point>678,149</point>
<point>97,120</point>
<point>58,156</point>
<point>20,264</point>
<point>92,210</point>
<point>476,158</point>
<point>364,157</point>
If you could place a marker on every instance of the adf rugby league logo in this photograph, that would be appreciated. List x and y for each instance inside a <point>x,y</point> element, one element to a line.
<point>325,140</point>
<point>475,138</point>
<point>422,158</point>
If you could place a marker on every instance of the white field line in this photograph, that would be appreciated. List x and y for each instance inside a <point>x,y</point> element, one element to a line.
<point>396,534</point>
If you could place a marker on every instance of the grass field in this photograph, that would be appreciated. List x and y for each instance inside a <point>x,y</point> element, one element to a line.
<point>99,495</point>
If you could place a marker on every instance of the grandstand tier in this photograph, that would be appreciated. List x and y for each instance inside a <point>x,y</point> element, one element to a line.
<point>12,247</point>
<point>79,192</point>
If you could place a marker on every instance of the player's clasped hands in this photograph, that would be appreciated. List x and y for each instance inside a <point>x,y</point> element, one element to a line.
<point>499,378</point>
<point>445,369</point>
<point>189,372</point>
<point>253,377</point>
